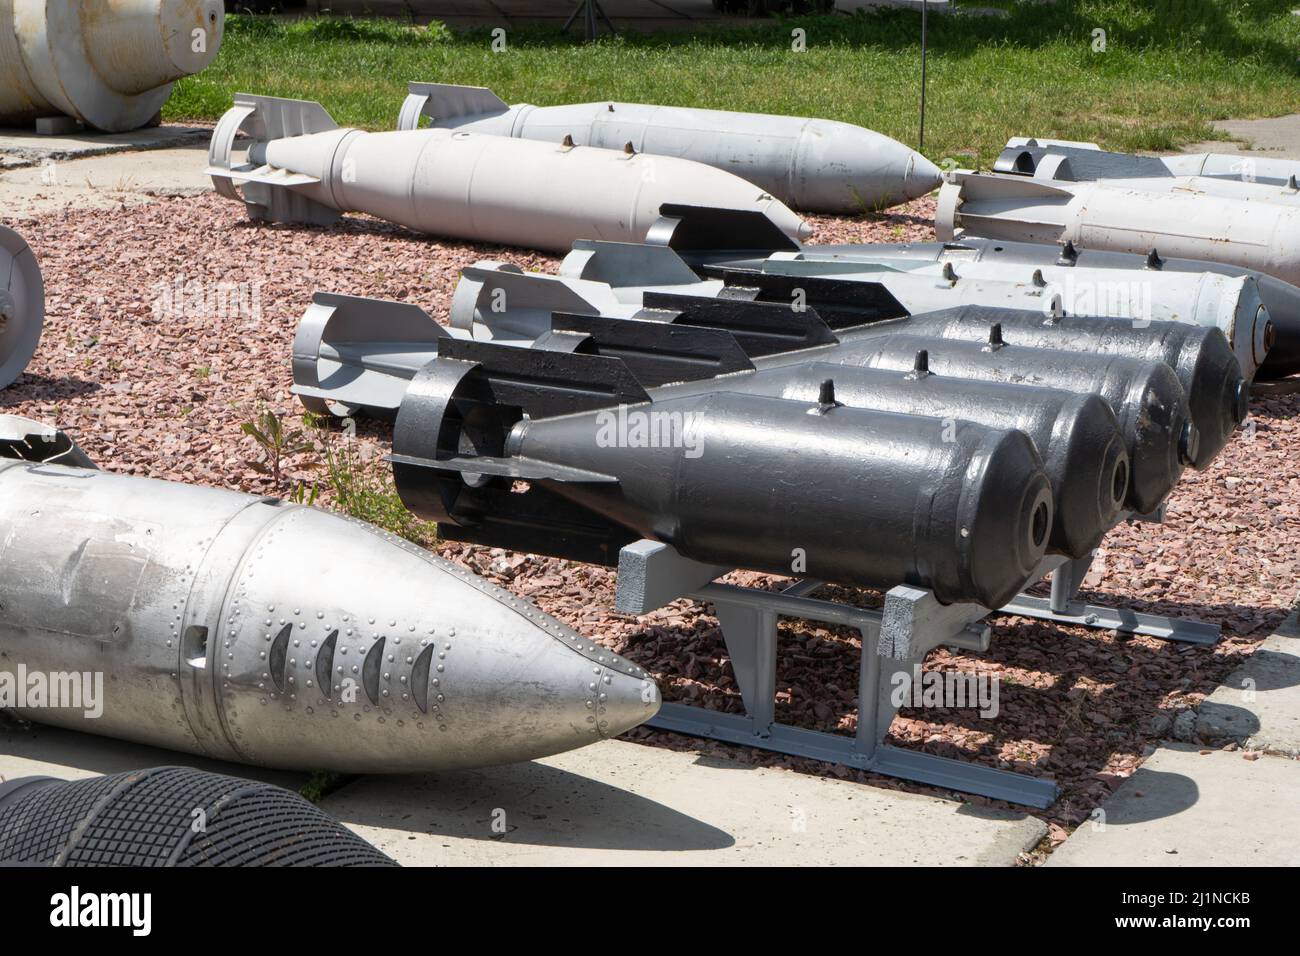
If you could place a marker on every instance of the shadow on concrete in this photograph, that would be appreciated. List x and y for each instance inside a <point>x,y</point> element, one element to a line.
<point>543,806</point>
<point>27,746</point>
<point>1163,795</point>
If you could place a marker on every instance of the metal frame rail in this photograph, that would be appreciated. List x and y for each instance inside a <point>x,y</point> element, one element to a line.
<point>894,639</point>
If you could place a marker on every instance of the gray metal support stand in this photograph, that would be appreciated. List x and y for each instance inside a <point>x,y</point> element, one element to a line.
<point>894,640</point>
<point>1062,608</point>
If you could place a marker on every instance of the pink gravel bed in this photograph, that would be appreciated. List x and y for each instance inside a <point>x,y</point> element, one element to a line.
<point>163,392</point>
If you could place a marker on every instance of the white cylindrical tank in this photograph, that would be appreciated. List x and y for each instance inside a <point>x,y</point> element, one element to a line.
<point>815,165</point>
<point>108,63</point>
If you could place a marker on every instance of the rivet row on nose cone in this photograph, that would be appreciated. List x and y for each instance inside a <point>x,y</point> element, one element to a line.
<point>548,624</point>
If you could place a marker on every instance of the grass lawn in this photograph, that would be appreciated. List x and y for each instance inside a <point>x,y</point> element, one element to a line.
<point>1169,67</point>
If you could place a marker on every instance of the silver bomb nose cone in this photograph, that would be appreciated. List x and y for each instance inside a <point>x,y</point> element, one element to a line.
<point>415,664</point>
<point>266,633</point>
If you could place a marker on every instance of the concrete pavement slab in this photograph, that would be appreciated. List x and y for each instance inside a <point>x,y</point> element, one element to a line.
<point>24,147</point>
<point>1186,807</point>
<point>619,803</point>
<point>103,182</point>
<point>33,750</point>
<point>1259,704</point>
<point>1276,137</point>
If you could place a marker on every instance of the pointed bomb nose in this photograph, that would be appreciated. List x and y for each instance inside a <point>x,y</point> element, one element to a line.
<point>923,177</point>
<point>416,665</point>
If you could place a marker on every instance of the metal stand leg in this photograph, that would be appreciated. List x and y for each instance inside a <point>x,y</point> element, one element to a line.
<point>894,640</point>
<point>590,10</point>
<point>1062,608</point>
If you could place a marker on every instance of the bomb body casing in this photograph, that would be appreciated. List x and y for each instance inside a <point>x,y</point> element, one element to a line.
<point>1280,299</point>
<point>1146,397</point>
<point>1077,436</point>
<point>22,306</point>
<point>1217,394</point>
<point>814,165</point>
<point>303,167</point>
<point>1079,162</point>
<point>1232,304</point>
<point>249,630</point>
<point>837,493</point>
<point>1254,235</point>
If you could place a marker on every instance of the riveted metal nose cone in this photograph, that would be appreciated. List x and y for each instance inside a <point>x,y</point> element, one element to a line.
<point>626,702</point>
<point>1189,443</point>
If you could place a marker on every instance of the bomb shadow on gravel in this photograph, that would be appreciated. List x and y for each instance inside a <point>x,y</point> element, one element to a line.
<point>43,388</point>
<point>1083,707</point>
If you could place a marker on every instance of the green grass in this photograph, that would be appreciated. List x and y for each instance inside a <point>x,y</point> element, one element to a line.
<point>365,490</point>
<point>1170,68</point>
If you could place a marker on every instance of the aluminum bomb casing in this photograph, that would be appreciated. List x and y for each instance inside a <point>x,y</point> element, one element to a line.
<point>109,65</point>
<point>1077,436</point>
<point>251,630</point>
<point>1146,397</point>
<point>1218,396</point>
<point>461,184</point>
<point>1281,299</point>
<point>843,494</point>
<point>815,165</point>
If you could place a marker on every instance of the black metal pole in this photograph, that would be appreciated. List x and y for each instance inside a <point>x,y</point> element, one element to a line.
<point>925,8</point>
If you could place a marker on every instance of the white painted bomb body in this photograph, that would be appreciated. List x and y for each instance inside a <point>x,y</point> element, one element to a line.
<point>1092,215</point>
<point>1229,303</point>
<point>814,165</point>
<point>108,65</point>
<point>460,184</point>
<point>1088,161</point>
<point>973,255</point>
<point>251,630</point>
<point>615,278</point>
